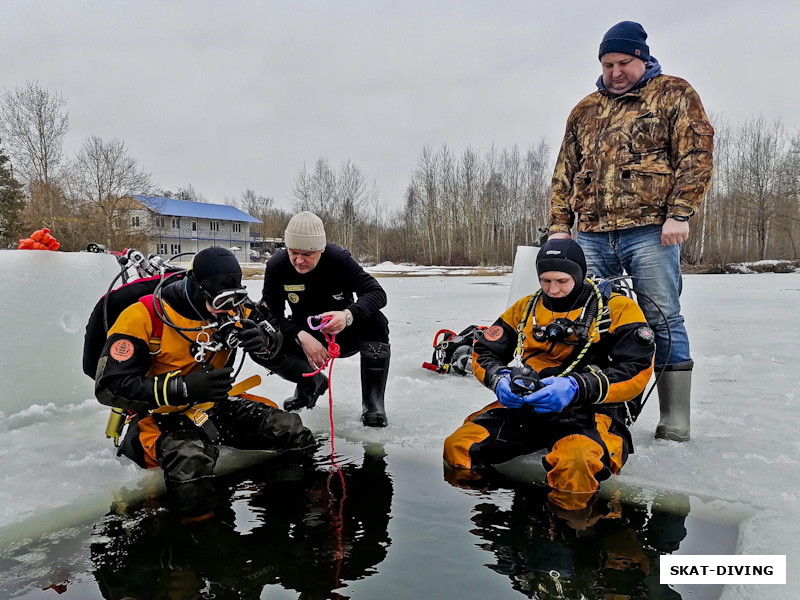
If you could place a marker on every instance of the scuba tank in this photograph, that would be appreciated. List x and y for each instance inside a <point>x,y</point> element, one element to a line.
<point>116,420</point>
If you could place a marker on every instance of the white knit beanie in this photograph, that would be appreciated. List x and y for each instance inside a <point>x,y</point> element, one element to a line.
<point>305,231</point>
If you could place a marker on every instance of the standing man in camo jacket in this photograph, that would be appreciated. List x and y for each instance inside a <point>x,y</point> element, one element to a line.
<point>634,165</point>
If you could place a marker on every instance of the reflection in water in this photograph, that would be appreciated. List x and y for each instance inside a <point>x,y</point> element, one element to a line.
<point>288,523</point>
<point>609,550</point>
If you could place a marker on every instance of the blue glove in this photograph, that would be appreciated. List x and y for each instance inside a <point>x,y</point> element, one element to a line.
<point>504,394</point>
<point>556,394</point>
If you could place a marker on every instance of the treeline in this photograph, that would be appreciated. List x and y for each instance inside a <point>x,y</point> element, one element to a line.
<point>472,208</point>
<point>752,211</point>
<point>467,209</point>
<point>476,209</point>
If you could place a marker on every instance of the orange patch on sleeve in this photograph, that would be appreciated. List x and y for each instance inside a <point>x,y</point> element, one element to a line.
<point>493,333</point>
<point>121,350</point>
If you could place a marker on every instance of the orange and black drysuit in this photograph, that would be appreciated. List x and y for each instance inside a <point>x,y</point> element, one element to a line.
<point>589,440</point>
<point>134,373</point>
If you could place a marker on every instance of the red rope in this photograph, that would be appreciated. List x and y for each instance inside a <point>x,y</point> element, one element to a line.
<point>337,518</point>
<point>330,416</point>
<point>333,348</point>
<point>333,353</point>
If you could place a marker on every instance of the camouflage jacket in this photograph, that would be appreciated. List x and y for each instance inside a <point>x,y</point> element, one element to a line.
<point>633,159</point>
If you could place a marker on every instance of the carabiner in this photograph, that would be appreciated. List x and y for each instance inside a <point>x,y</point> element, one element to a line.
<point>322,321</point>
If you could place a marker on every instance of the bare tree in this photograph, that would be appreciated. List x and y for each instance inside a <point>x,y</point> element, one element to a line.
<point>72,223</point>
<point>273,220</point>
<point>537,206</point>
<point>352,193</point>
<point>426,180</point>
<point>759,175</point>
<point>33,123</point>
<point>255,204</point>
<point>301,191</point>
<point>103,176</point>
<point>190,194</point>
<point>316,191</point>
<point>377,208</point>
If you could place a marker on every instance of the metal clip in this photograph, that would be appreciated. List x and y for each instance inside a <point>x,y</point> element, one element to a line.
<point>556,576</point>
<point>202,342</point>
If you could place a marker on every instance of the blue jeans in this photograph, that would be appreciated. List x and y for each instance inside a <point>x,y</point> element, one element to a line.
<point>656,273</point>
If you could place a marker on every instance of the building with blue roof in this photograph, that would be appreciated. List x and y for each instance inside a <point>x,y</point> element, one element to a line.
<point>174,226</point>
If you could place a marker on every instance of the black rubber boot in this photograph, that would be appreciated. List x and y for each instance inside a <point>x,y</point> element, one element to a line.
<point>374,372</point>
<point>306,394</point>
<point>308,389</point>
<point>674,400</point>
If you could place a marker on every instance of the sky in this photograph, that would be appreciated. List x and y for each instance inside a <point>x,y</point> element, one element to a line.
<point>226,96</point>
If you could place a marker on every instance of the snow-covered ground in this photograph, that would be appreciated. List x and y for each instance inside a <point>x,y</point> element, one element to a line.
<point>388,268</point>
<point>56,468</point>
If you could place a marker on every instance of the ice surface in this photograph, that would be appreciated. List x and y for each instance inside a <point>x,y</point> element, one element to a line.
<point>46,300</point>
<point>57,468</point>
<point>394,269</point>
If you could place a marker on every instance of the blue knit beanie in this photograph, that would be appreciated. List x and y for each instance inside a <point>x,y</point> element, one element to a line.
<point>628,38</point>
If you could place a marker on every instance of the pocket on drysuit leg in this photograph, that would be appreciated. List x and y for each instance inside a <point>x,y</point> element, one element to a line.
<point>575,464</point>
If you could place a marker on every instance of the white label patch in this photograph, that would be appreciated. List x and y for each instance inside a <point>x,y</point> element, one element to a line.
<point>723,568</point>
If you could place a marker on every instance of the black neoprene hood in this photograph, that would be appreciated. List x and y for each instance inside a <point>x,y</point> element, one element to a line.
<point>216,269</point>
<point>563,255</point>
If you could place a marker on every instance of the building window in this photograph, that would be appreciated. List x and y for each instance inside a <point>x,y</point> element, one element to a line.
<point>174,249</point>
<point>237,227</point>
<point>159,221</point>
<point>161,249</point>
<point>176,222</point>
<point>134,221</point>
<point>214,225</point>
<point>194,226</point>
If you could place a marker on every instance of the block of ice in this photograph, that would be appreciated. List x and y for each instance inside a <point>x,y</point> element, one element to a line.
<point>47,298</point>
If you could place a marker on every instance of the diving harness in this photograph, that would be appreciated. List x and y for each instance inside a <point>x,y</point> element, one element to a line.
<point>595,314</point>
<point>579,333</point>
<point>583,329</point>
<point>214,336</point>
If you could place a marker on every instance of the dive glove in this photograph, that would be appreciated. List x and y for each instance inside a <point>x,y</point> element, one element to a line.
<point>556,394</point>
<point>259,338</point>
<point>205,385</point>
<point>504,394</point>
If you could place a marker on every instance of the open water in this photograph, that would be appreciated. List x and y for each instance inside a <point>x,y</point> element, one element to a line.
<point>387,525</point>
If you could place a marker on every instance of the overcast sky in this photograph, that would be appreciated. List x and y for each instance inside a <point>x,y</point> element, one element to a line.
<point>233,95</point>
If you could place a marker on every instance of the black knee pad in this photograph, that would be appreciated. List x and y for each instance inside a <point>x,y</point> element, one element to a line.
<point>187,456</point>
<point>375,350</point>
<point>285,430</point>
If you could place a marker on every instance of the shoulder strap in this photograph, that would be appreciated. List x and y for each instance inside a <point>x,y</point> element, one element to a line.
<point>529,308</point>
<point>158,324</point>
